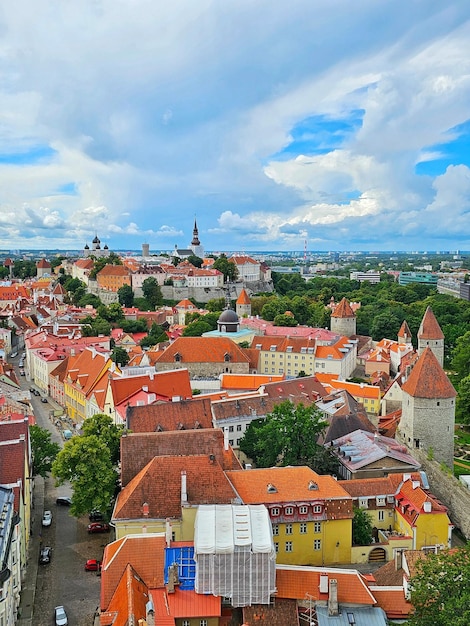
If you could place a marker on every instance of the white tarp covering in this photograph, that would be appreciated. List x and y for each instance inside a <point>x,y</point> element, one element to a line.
<point>234,553</point>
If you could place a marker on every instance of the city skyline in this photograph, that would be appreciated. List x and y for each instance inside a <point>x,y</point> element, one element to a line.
<point>277,127</point>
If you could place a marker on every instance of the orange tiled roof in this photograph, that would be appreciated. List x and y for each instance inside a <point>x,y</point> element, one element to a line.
<point>247,381</point>
<point>243,298</point>
<point>159,484</point>
<point>164,384</point>
<point>145,552</point>
<point>164,416</point>
<point>369,487</point>
<point>114,270</point>
<point>138,449</point>
<point>296,582</point>
<point>128,602</point>
<point>202,350</point>
<point>428,379</point>
<point>429,328</point>
<point>404,332</point>
<point>393,602</point>
<point>343,309</point>
<point>291,484</point>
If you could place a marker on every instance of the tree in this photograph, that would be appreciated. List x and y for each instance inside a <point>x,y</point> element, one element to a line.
<point>126,296</point>
<point>106,430</point>
<point>44,451</point>
<point>152,292</point>
<point>462,407</point>
<point>284,320</point>
<point>228,268</point>
<point>287,436</point>
<point>461,356</point>
<point>119,356</point>
<point>195,260</point>
<point>361,527</point>
<point>440,589</point>
<point>85,462</point>
<point>156,335</point>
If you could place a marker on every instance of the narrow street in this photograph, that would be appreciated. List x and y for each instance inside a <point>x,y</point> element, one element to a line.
<point>64,580</point>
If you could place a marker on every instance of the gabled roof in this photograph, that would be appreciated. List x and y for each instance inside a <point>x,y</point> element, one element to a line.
<point>128,602</point>
<point>164,416</point>
<point>184,604</point>
<point>159,485</point>
<point>296,582</point>
<point>146,551</point>
<point>429,328</point>
<point>202,350</point>
<point>308,387</point>
<point>369,487</point>
<point>247,381</point>
<point>171,384</point>
<point>284,484</point>
<point>114,270</point>
<point>428,379</point>
<point>343,309</point>
<point>138,449</point>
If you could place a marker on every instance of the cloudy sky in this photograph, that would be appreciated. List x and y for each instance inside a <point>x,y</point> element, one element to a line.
<point>343,125</point>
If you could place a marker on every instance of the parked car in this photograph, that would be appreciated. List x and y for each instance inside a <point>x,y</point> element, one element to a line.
<point>21,372</point>
<point>43,399</point>
<point>45,555</point>
<point>36,392</point>
<point>13,355</point>
<point>63,501</point>
<point>60,616</point>
<point>92,565</point>
<point>95,516</point>
<point>47,518</point>
<point>98,527</point>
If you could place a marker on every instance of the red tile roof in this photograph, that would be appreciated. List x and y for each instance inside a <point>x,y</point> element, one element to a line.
<point>343,309</point>
<point>138,449</point>
<point>429,328</point>
<point>171,384</point>
<point>159,485</point>
<point>428,379</point>
<point>164,416</point>
<point>202,350</point>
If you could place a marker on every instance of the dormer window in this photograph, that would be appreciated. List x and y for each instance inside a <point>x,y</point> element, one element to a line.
<point>271,488</point>
<point>312,485</point>
<point>226,357</point>
<point>317,508</point>
<point>178,357</point>
<point>275,511</point>
<point>289,510</point>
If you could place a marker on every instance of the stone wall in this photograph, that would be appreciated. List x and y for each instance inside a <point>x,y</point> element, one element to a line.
<point>449,490</point>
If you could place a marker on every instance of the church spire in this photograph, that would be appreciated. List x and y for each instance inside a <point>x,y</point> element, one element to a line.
<point>195,241</point>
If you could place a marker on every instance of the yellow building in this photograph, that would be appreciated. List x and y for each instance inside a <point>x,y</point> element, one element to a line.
<point>311,515</point>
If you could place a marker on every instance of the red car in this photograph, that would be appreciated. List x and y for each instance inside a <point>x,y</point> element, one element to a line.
<point>92,565</point>
<point>98,527</point>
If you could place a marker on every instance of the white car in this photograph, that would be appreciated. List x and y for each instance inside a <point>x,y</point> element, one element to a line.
<point>60,616</point>
<point>47,519</point>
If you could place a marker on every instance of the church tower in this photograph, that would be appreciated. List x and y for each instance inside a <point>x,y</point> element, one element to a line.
<point>243,304</point>
<point>195,244</point>
<point>428,410</point>
<point>343,319</point>
<point>431,336</point>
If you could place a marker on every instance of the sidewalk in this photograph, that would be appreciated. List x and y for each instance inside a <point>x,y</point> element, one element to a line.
<point>28,590</point>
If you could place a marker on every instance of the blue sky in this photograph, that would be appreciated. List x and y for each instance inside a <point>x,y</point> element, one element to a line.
<point>346,126</point>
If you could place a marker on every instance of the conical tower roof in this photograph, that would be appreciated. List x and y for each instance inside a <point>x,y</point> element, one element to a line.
<point>343,309</point>
<point>243,298</point>
<point>429,328</point>
<point>428,379</point>
<point>404,331</point>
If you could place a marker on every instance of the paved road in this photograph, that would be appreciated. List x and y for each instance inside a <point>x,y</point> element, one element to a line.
<point>64,580</point>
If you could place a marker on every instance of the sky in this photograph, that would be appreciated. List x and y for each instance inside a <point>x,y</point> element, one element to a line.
<point>325,124</point>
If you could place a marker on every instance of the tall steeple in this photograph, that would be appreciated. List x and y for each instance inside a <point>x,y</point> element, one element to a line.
<point>431,336</point>
<point>195,241</point>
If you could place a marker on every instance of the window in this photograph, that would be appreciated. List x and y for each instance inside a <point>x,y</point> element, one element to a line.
<point>380,500</point>
<point>289,546</point>
<point>203,622</point>
<point>381,516</point>
<point>317,544</point>
<point>363,504</point>
<point>275,511</point>
<point>186,622</point>
<point>288,529</point>
<point>317,508</point>
<point>230,442</point>
<point>276,547</point>
<point>289,510</point>
<point>275,529</point>
<point>317,527</point>
<point>239,427</point>
<point>303,510</point>
<point>303,528</point>
<point>230,429</point>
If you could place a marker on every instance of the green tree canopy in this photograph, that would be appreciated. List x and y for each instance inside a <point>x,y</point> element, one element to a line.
<point>152,292</point>
<point>288,436</point>
<point>85,462</point>
<point>126,296</point>
<point>106,430</point>
<point>440,589</point>
<point>462,407</point>
<point>44,451</point>
<point>284,320</point>
<point>461,356</point>
<point>95,326</point>
<point>228,268</point>
<point>195,260</point>
<point>361,528</point>
<point>119,356</point>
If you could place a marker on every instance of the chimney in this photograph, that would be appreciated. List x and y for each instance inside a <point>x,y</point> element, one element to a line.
<point>168,532</point>
<point>145,509</point>
<point>145,388</point>
<point>333,598</point>
<point>398,560</point>
<point>184,493</point>
<point>225,439</point>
